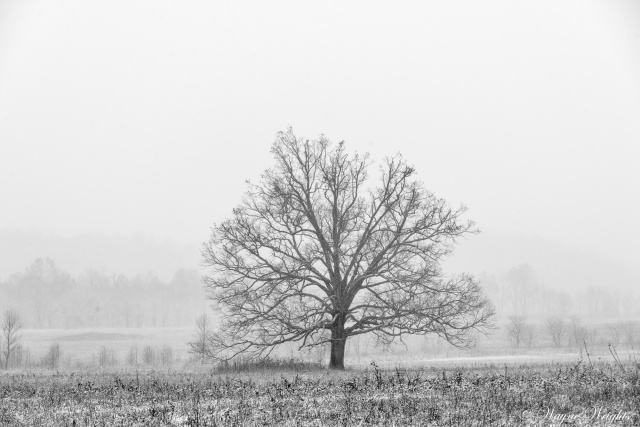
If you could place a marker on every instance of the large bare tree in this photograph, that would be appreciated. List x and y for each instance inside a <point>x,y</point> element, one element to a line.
<point>315,254</point>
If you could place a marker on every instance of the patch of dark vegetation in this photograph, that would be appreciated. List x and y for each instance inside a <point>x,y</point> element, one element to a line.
<point>242,364</point>
<point>99,336</point>
<point>552,394</point>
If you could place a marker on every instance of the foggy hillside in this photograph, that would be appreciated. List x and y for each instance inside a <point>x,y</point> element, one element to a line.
<point>129,255</point>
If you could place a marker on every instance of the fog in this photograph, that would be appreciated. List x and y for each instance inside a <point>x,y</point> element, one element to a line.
<point>128,129</point>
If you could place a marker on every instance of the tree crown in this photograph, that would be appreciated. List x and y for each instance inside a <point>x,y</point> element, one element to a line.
<point>314,248</point>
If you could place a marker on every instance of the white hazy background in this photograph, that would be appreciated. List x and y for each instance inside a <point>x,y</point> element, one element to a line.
<point>125,117</point>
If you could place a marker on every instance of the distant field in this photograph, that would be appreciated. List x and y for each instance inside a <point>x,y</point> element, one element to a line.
<point>600,394</point>
<point>82,347</point>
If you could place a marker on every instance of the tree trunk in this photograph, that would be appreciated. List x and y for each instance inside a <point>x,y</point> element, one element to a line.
<point>337,353</point>
<point>338,344</point>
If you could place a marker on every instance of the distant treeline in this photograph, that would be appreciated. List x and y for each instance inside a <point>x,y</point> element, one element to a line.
<point>48,297</point>
<point>520,292</point>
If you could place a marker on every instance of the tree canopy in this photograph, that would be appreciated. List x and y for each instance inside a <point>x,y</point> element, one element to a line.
<point>316,253</point>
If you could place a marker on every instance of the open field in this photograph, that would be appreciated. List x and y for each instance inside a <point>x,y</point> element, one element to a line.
<point>602,394</point>
<point>81,349</point>
<point>414,385</point>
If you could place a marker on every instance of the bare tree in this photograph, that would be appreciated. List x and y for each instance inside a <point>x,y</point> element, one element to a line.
<point>517,330</point>
<point>11,326</point>
<point>52,358</point>
<point>556,328</point>
<point>203,333</point>
<point>313,248</point>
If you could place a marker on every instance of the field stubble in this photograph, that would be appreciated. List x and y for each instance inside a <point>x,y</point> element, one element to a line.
<point>539,394</point>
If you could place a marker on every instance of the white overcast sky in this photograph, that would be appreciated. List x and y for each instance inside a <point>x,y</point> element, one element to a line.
<point>126,116</point>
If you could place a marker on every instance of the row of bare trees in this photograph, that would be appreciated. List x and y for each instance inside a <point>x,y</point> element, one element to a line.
<point>521,292</point>
<point>48,297</point>
<point>571,332</point>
